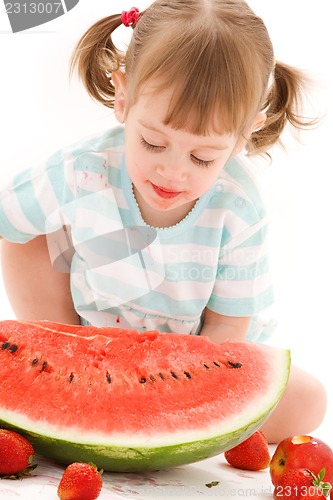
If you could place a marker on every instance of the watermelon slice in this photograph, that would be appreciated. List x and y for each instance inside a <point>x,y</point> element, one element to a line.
<point>131,401</point>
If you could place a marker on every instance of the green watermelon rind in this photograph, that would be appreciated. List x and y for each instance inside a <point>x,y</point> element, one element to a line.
<point>136,459</point>
<point>124,459</point>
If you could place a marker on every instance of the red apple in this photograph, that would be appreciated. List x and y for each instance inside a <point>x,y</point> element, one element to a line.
<point>301,452</point>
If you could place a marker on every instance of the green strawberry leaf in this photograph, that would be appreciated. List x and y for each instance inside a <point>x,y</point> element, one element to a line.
<point>213,483</point>
<point>324,486</point>
<point>94,466</point>
<point>20,475</point>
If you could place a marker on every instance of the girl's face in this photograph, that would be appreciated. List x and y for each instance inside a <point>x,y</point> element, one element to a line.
<point>170,169</point>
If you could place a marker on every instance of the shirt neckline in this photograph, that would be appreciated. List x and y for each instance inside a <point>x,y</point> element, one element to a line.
<point>169,231</point>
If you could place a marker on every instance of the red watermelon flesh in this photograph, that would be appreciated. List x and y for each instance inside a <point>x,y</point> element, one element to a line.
<point>109,390</point>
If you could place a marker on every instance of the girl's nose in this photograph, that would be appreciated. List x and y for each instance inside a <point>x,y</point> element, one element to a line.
<point>172,171</point>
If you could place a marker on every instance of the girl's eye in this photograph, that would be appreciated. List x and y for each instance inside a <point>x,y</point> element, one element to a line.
<point>202,163</point>
<point>150,147</point>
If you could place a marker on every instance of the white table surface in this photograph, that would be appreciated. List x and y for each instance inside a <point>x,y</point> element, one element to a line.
<point>173,484</point>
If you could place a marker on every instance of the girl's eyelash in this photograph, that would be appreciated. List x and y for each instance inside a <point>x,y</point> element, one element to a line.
<point>202,163</point>
<point>152,147</point>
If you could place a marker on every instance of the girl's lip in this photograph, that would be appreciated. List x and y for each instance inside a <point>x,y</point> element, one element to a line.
<point>165,193</point>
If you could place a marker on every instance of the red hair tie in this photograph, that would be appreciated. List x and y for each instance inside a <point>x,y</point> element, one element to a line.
<point>130,17</point>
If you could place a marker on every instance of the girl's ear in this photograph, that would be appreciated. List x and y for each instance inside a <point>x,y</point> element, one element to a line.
<point>258,122</point>
<point>256,125</point>
<point>119,82</point>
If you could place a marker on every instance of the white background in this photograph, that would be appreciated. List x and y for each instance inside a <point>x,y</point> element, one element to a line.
<point>40,111</point>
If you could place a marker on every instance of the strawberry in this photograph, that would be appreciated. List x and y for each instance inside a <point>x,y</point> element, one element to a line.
<point>80,481</point>
<point>251,454</point>
<point>16,455</point>
<point>302,484</point>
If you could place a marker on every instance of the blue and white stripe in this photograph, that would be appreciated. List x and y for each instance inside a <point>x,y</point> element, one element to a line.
<point>216,257</point>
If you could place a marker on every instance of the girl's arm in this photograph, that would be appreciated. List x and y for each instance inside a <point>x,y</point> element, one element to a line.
<point>218,327</point>
<point>35,289</point>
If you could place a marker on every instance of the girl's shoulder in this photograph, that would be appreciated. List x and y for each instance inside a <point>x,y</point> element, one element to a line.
<point>239,186</point>
<point>111,139</point>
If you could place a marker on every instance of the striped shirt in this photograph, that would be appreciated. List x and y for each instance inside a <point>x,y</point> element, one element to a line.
<point>125,273</point>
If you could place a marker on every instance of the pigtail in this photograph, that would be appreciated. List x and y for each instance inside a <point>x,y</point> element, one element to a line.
<point>96,57</point>
<point>283,106</point>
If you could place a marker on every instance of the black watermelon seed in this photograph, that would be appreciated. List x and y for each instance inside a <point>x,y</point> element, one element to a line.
<point>5,346</point>
<point>234,365</point>
<point>70,378</point>
<point>108,377</point>
<point>161,376</point>
<point>188,375</point>
<point>216,364</point>
<point>206,366</point>
<point>152,378</point>
<point>174,375</point>
<point>34,362</point>
<point>13,348</point>
<point>143,380</point>
<point>44,365</point>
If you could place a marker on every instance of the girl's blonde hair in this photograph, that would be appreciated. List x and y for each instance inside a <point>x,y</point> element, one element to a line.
<point>214,55</point>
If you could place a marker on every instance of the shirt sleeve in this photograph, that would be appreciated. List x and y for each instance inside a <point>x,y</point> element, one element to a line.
<point>243,284</point>
<point>30,204</point>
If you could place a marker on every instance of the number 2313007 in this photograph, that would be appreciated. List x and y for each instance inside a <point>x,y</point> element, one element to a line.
<point>32,8</point>
<point>298,491</point>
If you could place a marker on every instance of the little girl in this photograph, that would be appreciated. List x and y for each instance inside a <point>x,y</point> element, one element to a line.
<point>158,224</point>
